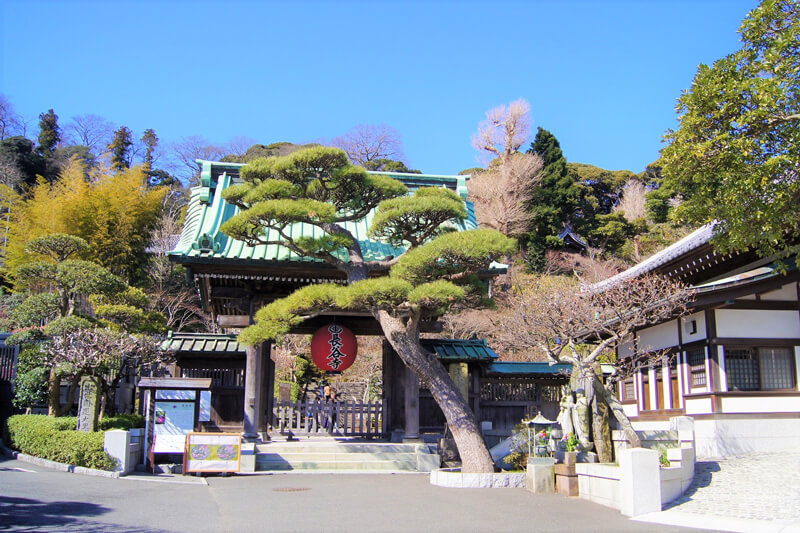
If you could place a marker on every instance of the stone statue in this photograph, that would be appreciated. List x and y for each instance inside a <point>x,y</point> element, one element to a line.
<point>565,415</point>
<point>581,419</point>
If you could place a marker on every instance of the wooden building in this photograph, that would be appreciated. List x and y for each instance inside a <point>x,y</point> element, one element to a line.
<point>737,353</point>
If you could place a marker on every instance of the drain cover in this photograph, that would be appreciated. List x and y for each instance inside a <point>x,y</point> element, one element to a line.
<point>291,489</point>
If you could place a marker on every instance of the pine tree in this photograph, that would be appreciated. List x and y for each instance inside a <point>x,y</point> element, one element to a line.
<point>150,141</point>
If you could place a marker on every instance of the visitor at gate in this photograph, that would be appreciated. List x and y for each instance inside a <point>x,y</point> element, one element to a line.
<point>327,392</point>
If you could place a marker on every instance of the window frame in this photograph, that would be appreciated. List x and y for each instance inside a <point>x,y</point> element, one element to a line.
<point>756,350</point>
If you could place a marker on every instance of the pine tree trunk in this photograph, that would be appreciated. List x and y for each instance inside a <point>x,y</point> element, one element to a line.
<point>460,418</point>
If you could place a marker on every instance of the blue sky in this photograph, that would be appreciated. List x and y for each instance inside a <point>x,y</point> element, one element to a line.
<point>603,76</point>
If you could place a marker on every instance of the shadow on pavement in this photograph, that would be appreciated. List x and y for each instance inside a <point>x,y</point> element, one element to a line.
<point>703,474</point>
<point>34,515</point>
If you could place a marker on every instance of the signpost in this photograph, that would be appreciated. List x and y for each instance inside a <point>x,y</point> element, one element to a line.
<point>212,452</point>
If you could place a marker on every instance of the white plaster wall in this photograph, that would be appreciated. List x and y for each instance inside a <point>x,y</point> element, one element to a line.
<point>657,337</point>
<point>742,323</point>
<point>700,322</point>
<point>631,410</point>
<point>723,438</point>
<point>787,293</point>
<point>599,483</point>
<point>698,406</point>
<point>762,404</point>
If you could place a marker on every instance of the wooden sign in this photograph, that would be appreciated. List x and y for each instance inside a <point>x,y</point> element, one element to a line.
<point>212,452</point>
<point>333,348</point>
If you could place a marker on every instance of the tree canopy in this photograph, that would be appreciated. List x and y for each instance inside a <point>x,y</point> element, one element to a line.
<point>318,186</point>
<point>736,153</point>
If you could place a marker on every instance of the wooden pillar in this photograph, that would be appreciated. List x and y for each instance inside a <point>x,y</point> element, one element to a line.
<point>253,395</point>
<point>459,373</point>
<point>387,389</point>
<point>411,405</point>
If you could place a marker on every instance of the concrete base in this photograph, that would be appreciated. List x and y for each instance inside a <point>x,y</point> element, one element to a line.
<point>247,457</point>
<point>566,479</point>
<point>539,478</point>
<point>454,478</point>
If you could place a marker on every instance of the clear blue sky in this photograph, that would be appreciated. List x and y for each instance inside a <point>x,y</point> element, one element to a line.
<point>603,76</point>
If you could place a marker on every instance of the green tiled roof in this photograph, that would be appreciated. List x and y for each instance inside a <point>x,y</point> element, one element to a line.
<point>514,368</point>
<point>208,343</point>
<point>201,238</point>
<point>460,350</point>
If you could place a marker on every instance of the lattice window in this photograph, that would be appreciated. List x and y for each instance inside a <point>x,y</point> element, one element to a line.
<point>697,366</point>
<point>777,370</point>
<point>508,390</point>
<point>220,377</point>
<point>760,368</point>
<point>741,365</point>
<point>628,389</point>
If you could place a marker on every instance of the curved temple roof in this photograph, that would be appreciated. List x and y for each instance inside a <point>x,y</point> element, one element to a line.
<point>202,241</point>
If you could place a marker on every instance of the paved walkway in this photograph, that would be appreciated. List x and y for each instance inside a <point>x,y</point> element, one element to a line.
<point>759,492</point>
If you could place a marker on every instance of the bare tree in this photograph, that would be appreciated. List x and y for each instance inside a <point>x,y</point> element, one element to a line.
<point>169,292</point>
<point>367,142</point>
<point>632,200</point>
<point>185,153</point>
<point>11,122</point>
<point>238,145</point>
<point>577,327</point>
<point>504,130</point>
<point>89,130</point>
<point>501,193</point>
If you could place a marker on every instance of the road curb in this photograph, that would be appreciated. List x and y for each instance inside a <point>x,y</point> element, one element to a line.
<point>61,467</point>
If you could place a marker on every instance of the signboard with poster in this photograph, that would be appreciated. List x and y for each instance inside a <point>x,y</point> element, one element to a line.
<point>212,452</point>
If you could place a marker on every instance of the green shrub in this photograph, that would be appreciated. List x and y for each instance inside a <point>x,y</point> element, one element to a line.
<point>124,421</point>
<point>56,439</point>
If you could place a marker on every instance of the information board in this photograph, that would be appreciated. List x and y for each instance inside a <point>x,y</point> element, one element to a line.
<point>212,452</point>
<point>173,420</point>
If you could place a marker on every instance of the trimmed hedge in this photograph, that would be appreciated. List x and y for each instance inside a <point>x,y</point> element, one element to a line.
<point>121,422</point>
<point>57,440</point>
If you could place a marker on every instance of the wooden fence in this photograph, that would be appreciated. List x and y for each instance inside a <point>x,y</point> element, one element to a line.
<point>341,418</point>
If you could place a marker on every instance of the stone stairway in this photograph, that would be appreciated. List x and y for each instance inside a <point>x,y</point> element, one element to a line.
<point>330,455</point>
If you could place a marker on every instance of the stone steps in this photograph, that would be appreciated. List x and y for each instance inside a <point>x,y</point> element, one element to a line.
<point>339,457</point>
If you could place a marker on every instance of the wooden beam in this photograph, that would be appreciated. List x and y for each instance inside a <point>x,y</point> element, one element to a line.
<point>233,321</point>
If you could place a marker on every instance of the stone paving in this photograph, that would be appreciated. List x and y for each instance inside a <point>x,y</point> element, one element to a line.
<point>758,486</point>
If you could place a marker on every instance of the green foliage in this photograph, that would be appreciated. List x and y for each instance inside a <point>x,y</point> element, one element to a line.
<point>131,296</point>
<point>34,309</point>
<point>49,133</point>
<point>382,293</point>
<point>24,163</point>
<point>50,438</point>
<point>735,154</point>
<point>436,294</point>
<point>120,148</point>
<point>413,219</point>
<point>67,324</point>
<point>124,317</point>
<point>275,319</point>
<point>328,244</point>
<point>612,231</point>
<point>453,254</point>
<point>123,421</point>
<point>663,458</point>
<point>58,246</point>
<point>305,373</point>
<point>572,442</point>
<point>389,165</point>
<point>31,378</point>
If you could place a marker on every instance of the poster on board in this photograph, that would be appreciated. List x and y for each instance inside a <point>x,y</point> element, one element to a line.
<point>212,452</point>
<point>172,421</point>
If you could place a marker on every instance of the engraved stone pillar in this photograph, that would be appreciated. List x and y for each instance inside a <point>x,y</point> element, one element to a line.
<point>89,405</point>
<point>459,373</point>
<point>411,406</point>
<point>253,384</point>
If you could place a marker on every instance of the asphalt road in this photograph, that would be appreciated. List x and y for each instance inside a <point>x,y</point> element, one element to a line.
<point>34,498</point>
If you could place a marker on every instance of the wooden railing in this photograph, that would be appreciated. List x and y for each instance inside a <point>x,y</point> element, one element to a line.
<point>315,417</point>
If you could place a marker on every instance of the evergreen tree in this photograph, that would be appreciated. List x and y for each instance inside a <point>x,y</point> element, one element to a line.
<point>554,201</point>
<point>120,149</point>
<point>150,141</point>
<point>49,133</point>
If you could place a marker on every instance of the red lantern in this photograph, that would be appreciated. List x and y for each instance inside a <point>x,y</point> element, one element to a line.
<point>333,348</point>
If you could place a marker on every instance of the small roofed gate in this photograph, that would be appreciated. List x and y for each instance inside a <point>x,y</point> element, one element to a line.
<point>338,418</point>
